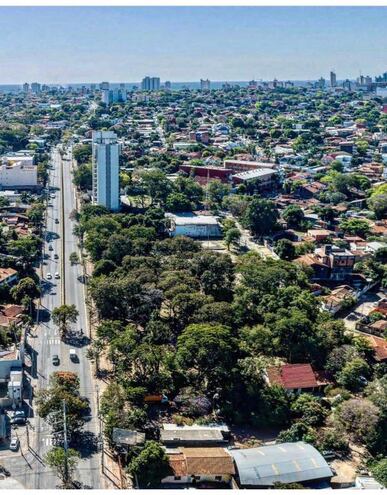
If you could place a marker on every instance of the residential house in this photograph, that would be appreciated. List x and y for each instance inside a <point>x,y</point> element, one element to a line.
<point>339,298</point>
<point>330,263</point>
<point>200,464</point>
<point>295,378</point>
<point>8,276</point>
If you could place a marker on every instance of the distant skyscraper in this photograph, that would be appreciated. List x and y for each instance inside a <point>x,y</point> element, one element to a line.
<point>321,83</point>
<point>35,87</point>
<point>150,83</point>
<point>106,151</point>
<point>168,85</point>
<point>333,79</point>
<point>26,87</point>
<point>104,85</point>
<point>205,84</point>
<point>155,84</point>
<point>110,96</point>
<point>93,86</point>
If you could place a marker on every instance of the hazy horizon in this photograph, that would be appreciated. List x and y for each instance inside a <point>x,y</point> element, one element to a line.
<point>182,44</point>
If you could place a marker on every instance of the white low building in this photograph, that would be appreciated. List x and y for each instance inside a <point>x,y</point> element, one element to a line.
<point>196,226</point>
<point>18,171</point>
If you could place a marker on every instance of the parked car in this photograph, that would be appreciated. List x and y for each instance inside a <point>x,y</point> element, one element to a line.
<point>18,420</point>
<point>48,276</point>
<point>50,248</point>
<point>57,275</point>
<point>14,444</point>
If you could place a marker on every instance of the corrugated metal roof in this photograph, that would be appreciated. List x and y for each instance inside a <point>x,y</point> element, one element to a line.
<point>286,462</point>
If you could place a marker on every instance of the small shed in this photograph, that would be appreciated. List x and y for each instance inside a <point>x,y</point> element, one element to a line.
<point>128,438</point>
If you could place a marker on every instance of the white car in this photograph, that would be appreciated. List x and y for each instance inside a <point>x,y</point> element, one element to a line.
<point>48,276</point>
<point>57,275</point>
<point>14,444</point>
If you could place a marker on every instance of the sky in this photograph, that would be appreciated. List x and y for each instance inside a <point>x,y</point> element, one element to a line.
<point>123,44</point>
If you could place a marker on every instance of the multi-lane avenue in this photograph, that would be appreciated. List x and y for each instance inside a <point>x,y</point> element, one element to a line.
<point>62,283</point>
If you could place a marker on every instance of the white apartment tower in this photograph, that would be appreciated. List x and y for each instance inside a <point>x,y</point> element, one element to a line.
<point>106,187</point>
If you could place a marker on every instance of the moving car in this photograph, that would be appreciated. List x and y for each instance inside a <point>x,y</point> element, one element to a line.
<point>57,275</point>
<point>73,355</point>
<point>14,444</point>
<point>48,276</point>
<point>56,256</point>
<point>55,360</point>
<point>50,248</point>
<point>56,220</point>
<point>18,418</point>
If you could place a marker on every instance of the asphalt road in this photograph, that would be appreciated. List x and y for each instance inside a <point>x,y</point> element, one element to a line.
<point>45,342</point>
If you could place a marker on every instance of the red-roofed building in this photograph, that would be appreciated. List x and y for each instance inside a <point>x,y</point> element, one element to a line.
<point>295,378</point>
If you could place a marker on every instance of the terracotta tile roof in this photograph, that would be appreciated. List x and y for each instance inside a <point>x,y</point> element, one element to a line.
<point>292,376</point>
<point>12,310</point>
<point>212,460</point>
<point>6,272</point>
<point>379,346</point>
<point>177,464</point>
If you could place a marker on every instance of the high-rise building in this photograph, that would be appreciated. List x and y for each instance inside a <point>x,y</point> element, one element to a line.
<point>150,83</point>
<point>205,84</point>
<point>104,85</point>
<point>26,87</point>
<point>93,86</point>
<point>168,85</point>
<point>155,84</point>
<point>333,79</point>
<point>321,83</point>
<point>116,95</point>
<point>106,187</point>
<point>145,84</point>
<point>35,87</point>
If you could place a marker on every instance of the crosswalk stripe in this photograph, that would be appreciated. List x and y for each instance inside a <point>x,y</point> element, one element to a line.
<point>53,341</point>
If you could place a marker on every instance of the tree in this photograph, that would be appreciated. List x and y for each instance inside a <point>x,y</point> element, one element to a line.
<point>216,191</point>
<point>178,202</point>
<point>63,315</point>
<point>232,237</point>
<point>310,410</point>
<point>208,351</point>
<point>355,226</point>
<point>278,485</point>
<point>379,471</point>
<point>261,217</point>
<point>63,463</point>
<point>26,287</point>
<point>83,177</point>
<point>359,417</point>
<point>82,153</point>
<point>352,374</point>
<point>293,215</point>
<point>150,466</point>
<point>285,249</point>
<point>63,386</point>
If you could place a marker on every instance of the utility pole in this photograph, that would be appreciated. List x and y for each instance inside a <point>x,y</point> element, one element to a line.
<point>65,445</point>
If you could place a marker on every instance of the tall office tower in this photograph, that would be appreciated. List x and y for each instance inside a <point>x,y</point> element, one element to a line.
<point>105,96</point>
<point>205,84</point>
<point>321,83</point>
<point>146,83</point>
<point>333,79</point>
<point>106,187</point>
<point>168,85</point>
<point>104,85</point>
<point>155,83</point>
<point>35,87</point>
<point>122,85</point>
<point>26,87</point>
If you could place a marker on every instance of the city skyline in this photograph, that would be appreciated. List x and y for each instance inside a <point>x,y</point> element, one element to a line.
<point>189,43</point>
